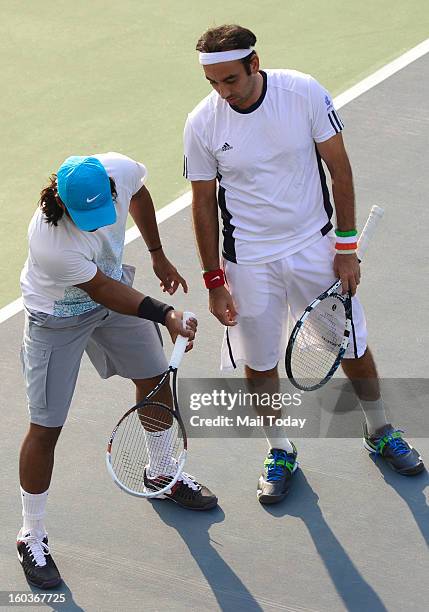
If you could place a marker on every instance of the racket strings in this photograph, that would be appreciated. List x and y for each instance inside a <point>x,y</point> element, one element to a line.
<point>318,342</point>
<point>148,441</point>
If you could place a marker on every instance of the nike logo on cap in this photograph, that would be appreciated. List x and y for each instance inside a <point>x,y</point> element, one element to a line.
<point>89,200</point>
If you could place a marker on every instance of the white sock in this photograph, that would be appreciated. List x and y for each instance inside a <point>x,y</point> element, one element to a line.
<point>160,446</point>
<point>33,511</point>
<point>276,441</point>
<point>375,414</point>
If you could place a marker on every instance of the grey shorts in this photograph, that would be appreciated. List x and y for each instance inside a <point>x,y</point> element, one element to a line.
<point>52,350</point>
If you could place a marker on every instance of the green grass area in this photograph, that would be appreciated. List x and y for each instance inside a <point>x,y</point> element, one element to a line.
<point>86,77</point>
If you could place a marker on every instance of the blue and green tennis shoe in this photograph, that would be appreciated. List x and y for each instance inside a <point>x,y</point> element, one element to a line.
<point>388,443</point>
<point>274,482</point>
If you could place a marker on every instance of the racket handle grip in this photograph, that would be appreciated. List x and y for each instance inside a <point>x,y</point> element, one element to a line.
<point>368,231</point>
<point>180,344</point>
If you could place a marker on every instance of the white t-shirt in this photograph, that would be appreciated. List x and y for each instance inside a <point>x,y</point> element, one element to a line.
<point>63,256</point>
<point>272,188</point>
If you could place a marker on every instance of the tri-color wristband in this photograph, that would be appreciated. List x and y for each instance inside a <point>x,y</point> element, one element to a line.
<point>346,243</point>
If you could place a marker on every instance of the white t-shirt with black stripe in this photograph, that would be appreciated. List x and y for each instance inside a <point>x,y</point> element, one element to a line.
<point>272,188</point>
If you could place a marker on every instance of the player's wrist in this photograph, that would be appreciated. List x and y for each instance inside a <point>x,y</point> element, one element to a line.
<point>214,278</point>
<point>154,310</point>
<point>169,316</point>
<point>346,242</point>
<point>156,249</point>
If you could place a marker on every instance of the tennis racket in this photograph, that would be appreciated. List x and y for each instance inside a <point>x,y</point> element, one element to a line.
<point>321,335</point>
<point>147,449</point>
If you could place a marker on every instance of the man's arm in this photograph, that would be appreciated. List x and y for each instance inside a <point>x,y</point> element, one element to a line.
<point>126,300</point>
<point>206,228</point>
<point>142,211</point>
<point>113,294</point>
<point>334,154</point>
<point>206,224</point>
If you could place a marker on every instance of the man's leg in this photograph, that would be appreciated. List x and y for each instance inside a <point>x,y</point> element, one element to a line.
<point>36,463</point>
<point>36,459</point>
<point>280,463</point>
<point>51,354</point>
<point>132,348</point>
<point>268,382</point>
<point>260,296</point>
<point>187,493</point>
<point>157,425</point>
<point>379,435</point>
<point>362,373</point>
<point>145,385</point>
<point>312,272</point>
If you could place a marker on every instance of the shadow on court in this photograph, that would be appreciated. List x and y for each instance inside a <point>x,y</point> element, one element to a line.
<point>230,592</point>
<point>69,604</point>
<point>303,503</point>
<point>412,491</point>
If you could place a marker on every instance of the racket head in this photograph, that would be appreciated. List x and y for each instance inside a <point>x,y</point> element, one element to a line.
<point>147,445</point>
<point>319,340</point>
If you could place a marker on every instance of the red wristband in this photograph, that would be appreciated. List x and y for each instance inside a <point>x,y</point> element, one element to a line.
<point>214,278</point>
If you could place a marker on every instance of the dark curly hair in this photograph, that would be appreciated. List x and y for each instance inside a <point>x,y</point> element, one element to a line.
<point>226,38</point>
<point>51,204</point>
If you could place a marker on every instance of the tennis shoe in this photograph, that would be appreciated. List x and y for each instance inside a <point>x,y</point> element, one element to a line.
<point>389,444</point>
<point>186,492</point>
<point>274,482</point>
<point>36,560</point>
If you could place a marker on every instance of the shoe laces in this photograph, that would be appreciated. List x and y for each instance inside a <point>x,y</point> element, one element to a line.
<point>275,464</point>
<point>189,481</point>
<point>395,442</point>
<point>36,547</point>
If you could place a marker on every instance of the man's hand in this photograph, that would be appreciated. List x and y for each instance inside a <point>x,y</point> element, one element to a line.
<point>143,213</point>
<point>221,305</point>
<point>174,324</point>
<point>347,268</point>
<point>167,273</point>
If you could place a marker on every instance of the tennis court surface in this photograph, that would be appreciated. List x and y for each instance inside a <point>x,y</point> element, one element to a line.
<point>352,535</point>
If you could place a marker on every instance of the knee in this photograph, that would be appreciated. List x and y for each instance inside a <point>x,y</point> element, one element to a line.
<point>144,385</point>
<point>44,436</point>
<point>256,374</point>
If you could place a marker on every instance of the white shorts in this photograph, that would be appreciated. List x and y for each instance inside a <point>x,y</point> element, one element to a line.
<point>264,296</point>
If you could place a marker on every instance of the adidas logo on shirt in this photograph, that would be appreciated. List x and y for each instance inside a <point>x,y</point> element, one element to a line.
<point>227,147</point>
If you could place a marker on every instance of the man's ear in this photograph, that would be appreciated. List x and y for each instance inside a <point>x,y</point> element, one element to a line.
<point>254,64</point>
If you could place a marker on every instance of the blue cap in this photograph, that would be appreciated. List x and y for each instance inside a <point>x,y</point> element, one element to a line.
<point>84,187</point>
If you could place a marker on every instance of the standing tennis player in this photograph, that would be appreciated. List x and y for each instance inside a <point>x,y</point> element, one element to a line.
<point>78,297</point>
<point>261,136</point>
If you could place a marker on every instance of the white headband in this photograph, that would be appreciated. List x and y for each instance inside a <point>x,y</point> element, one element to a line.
<point>218,57</point>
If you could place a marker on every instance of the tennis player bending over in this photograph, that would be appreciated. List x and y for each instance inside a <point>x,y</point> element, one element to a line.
<point>78,297</point>
<point>262,135</point>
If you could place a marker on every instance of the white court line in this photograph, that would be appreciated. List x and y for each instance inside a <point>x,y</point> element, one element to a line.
<point>381,75</point>
<point>161,215</point>
<point>347,96</point>
<point>11,309</point>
